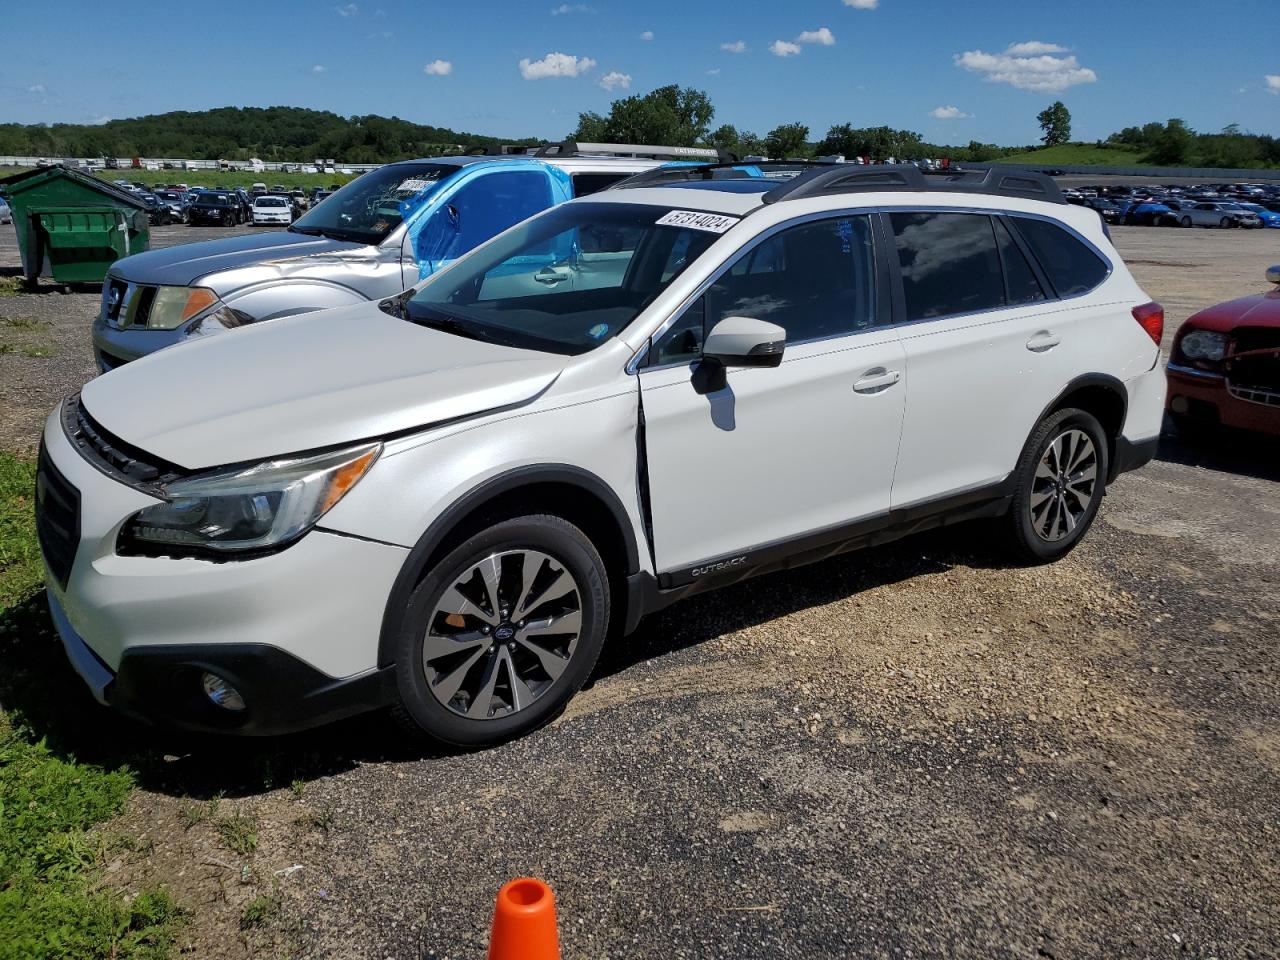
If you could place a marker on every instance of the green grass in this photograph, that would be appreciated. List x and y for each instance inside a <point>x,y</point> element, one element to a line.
<point>259,910</point>
<point>216,178</point>
<point>1079,154</point>
<point>51,857</point>
<point>239,833</point>
<point>10,286</point>
<point>20,571</point>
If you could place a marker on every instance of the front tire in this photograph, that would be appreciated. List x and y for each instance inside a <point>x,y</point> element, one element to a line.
<point>502,632</point>
<point>1186,221</point>
<point>1060,480</point>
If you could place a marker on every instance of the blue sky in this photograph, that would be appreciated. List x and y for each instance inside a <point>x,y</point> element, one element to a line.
<point>954,71</point>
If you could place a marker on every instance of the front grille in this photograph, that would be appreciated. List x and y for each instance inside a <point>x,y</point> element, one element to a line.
<point>126,304</point>
<point>1253,365</point>
<point>113,456</point>
<point>57,519</point>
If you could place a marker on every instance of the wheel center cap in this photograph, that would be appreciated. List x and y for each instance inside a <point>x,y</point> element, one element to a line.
<point>504,633</point>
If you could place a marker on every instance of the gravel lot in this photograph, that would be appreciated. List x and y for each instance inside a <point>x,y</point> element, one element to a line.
<point>913,751</point>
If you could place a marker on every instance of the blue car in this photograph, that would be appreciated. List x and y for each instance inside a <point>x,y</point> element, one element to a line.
<point>1148,213</point>
<point>1269,218</point>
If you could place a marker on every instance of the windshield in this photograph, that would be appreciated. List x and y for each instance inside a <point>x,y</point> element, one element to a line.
<point>565,281</point>
<point>269,202</point>
<point>217,199</point>
<point>371,206</point>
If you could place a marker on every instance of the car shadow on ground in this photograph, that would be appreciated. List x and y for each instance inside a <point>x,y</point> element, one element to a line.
<point>1224,450</point>
<point>44,696</point>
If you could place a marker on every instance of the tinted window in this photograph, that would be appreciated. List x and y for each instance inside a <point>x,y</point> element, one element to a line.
<point>1071,266</point>
<point>815,280</point>
<point>1019,279</point>
<point>585,184</point>
<point>949,263</point>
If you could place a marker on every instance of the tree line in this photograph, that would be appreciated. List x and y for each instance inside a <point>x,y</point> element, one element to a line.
<point>674,115</point>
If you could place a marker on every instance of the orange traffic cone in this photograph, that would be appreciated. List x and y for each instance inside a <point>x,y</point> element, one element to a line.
<point>524,922</point>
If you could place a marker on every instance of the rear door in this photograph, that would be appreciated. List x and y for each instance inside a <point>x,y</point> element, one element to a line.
<point>774,454</point>
<point>986,350</point>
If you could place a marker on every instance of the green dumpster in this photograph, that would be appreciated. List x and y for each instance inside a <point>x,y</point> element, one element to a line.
<point>72,226</point>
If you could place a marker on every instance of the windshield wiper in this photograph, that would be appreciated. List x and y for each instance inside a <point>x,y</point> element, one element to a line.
<point>310,232</point>
<point>440,321</point>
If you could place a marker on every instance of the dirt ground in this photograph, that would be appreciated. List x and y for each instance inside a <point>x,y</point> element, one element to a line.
<point>913,751</point>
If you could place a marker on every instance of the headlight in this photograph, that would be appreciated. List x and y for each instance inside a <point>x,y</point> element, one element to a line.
<point>1203,345</point>
<point>174,306</point>
<point>246,510</point>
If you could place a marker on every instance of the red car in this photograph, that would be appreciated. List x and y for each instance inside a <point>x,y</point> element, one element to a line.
<point>1225,366</point>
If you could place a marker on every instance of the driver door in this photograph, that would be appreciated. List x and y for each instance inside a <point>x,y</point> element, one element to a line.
<point>775,454</point>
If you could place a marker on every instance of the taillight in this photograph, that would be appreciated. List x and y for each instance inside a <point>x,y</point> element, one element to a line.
<point>1150,317</point>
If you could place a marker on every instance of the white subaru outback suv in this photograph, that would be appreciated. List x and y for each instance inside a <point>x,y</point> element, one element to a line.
<point>446,502</point>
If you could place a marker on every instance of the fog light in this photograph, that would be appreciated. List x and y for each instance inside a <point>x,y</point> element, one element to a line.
<point>222,694</point>
<point>1179,405</point>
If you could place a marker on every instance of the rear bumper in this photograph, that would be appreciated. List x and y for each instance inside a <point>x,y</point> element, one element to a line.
<point>1204,398</point>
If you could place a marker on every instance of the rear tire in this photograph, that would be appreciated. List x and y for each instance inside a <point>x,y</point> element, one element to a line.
<point>1060,480</point>
<point>1185,221</point>
<point>1225,223</point>
<point>502,632</point>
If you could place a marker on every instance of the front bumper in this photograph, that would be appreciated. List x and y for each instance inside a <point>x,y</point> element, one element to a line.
<point>114,346</point>
<point>1204,398</point>
<point>296,632</point>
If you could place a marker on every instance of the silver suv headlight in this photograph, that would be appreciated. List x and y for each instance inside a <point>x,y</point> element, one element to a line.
<point>174,306</point>
<point>246,510</point>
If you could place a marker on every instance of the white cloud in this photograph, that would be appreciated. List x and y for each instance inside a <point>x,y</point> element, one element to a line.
<point>318,68</point>
<point>737,46</point>
<point>36,88</point>
<point>1018,67</point>
<point>647,35</point>
<point>346,10</point>
<point>1033,48</point>
<point>821,36</point>
<point>555,65</point>
<point>438,68</point>
<point>862,4</point>
<point>949,113</point>
<point>784,48</point>
<point>1273,82</point>
<point>99,121</point>
<point>714,72</point>
<point>614,79</point>
<point>564,8</point>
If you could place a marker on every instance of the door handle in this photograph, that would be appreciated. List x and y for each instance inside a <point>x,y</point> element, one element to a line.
<point>1043,341</point>
<point>550,276</point>
<point>877,380</point>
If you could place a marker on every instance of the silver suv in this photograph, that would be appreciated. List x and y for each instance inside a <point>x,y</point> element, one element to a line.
<point>373,238</point>
<point>623,401</point>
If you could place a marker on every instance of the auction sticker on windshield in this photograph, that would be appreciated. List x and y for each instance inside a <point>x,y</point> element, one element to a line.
<point>710,222</point>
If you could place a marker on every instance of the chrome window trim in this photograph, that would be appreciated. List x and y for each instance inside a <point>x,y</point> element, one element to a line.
<point>642,351</point>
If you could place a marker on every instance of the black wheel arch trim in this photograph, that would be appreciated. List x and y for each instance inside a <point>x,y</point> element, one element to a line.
<point>1112,385</point>
<point>415,565</point>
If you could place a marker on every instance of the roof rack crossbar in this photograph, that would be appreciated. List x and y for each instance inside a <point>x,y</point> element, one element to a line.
<point>574,148</point>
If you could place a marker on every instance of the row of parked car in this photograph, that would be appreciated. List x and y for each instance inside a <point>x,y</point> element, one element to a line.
<point>227,206</point>
<point>1251,206</point>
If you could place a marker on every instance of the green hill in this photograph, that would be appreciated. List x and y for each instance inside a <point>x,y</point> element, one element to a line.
<point>238,133</point>
<point>1079,154</point>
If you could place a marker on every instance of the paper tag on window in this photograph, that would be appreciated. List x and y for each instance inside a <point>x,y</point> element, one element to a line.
<point>710,222</point>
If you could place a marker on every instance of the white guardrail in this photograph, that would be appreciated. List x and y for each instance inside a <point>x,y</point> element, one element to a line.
<point>176,164</point>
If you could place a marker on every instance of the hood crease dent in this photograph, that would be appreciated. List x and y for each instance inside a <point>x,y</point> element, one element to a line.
<point>306,383</point>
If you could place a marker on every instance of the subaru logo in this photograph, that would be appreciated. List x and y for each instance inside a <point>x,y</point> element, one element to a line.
<point>504,634</point>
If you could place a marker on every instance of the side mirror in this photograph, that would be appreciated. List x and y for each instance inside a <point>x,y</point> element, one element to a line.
<point>1273,274</point>
<point>745,342</point>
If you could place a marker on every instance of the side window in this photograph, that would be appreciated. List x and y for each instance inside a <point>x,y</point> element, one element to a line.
<point>585,184</point>
<point>481,210</point>
<point>1071,266</point>
<point>949,263</point>
<point>682,343</point>
<point>814,280</point>
<point>1019,279</point>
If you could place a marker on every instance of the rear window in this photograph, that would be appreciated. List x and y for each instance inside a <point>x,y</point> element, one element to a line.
<point>270,202</point>
<point>1071,266</point>
<point>585,184</point>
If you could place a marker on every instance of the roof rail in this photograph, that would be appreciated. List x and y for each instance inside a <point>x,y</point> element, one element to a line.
<point>847,178</point>
<point>498,150</point>
<point>725,170</point>
<point>573,148</point>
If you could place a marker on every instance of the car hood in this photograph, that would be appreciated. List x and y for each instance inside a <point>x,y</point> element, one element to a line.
<point>1260,310</point>
<point>182,265</point>
<point>302,383</point>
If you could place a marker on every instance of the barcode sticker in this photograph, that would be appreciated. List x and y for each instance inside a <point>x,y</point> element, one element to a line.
<point>710,222</point>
